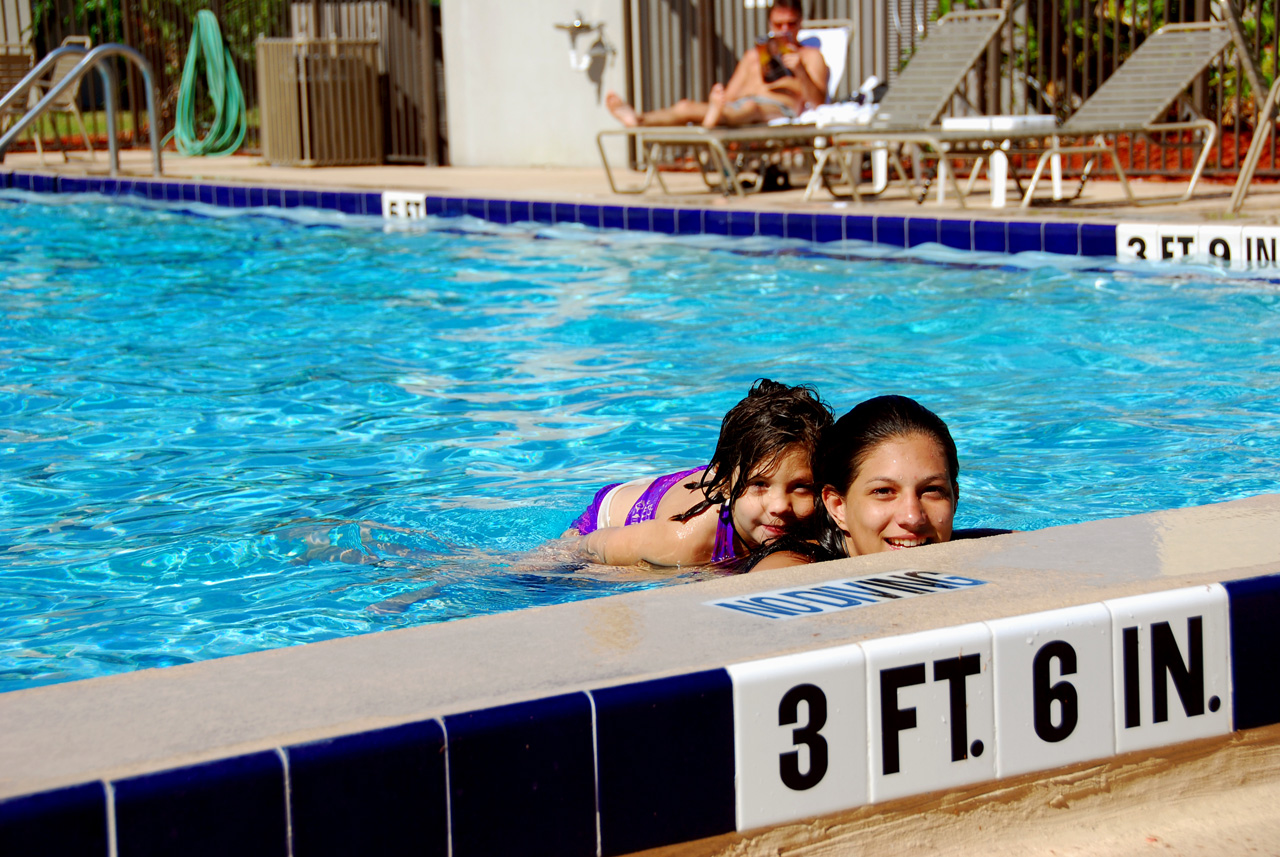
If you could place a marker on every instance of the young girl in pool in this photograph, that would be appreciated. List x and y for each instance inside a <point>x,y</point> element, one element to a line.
<point>888,471</point>
<point>758,486</point>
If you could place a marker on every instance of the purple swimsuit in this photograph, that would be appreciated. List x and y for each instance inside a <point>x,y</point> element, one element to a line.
<point>646,507</point>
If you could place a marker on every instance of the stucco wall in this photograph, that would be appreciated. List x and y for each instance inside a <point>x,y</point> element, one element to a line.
<point>513,99</point>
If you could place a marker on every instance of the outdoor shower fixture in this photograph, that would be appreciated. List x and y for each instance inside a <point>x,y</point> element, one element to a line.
<point>594,58</point>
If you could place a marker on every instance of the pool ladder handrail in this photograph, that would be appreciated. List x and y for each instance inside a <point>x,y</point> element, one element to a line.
<point>93,57</point>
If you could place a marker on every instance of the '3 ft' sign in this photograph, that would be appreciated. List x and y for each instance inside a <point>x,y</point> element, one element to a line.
<point>833,729</point>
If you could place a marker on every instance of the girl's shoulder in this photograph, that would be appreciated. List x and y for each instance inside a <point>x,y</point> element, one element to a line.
<point>785,551</point>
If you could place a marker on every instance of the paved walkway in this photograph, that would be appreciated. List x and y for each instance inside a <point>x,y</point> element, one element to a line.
<point>1102,201</point>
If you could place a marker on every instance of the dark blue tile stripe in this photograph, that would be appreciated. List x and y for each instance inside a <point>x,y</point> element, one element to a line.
<point>828,228</point>
<point>1073,239</point>
<point>1255,651</point>
<point>1097,239</point>
<point>799,224</point>
<point>891,230</point>
<point>65,821</point>
<point>522,777</point>
<point>1025,237</point>
<point>379,792</point>
<point>535,763</point>
<point>613,217</point>
<point>232,806</point>
<point>1062,238</point>
<point>715,222</point>
<point>665,761</point>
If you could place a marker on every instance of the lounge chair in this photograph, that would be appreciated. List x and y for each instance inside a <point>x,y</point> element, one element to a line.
<point>917,98</point>
<point>68,101</point>
<point>721,169</point>
<point>1134,100</point>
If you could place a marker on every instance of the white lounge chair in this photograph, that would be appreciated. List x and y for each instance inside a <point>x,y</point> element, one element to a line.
<point>67,102</point>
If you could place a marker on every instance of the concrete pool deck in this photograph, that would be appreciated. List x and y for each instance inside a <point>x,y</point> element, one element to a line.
<point>121,740</point>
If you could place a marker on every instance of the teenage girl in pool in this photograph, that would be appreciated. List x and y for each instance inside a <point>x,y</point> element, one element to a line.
<point>888,471</point>
<point>758,486</point>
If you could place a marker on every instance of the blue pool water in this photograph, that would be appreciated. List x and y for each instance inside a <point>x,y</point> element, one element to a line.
<point>229,433</point>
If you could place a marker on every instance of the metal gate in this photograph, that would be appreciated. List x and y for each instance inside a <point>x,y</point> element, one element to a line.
<point>320,101</point>
<point>408,32</point>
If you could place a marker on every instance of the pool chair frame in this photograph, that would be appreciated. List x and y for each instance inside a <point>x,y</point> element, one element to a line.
<point>724,155</point>
<point>1135,100</point>
<point>915,101</point>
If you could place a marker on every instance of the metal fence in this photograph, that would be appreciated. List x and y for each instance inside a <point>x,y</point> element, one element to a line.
<point>408,31</point>
<point>1052,54</point>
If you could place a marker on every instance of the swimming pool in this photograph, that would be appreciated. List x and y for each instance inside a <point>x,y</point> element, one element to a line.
<point>231,433</point>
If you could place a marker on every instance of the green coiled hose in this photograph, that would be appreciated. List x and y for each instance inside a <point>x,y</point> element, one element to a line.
<point>229,123</point>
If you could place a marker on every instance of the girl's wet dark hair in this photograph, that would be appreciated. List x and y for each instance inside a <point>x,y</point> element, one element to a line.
<point>754,433</point>
<point>848,443</point>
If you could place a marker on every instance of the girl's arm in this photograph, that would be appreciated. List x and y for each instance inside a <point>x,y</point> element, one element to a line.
<point>665,543</point>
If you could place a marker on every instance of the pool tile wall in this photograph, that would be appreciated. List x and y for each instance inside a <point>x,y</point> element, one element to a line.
<point>960,233</point>
<point>619,769</point>
<point>535,761</point>
<point>226,196</point>
<point>1128,241</point>
<point>376,792</point>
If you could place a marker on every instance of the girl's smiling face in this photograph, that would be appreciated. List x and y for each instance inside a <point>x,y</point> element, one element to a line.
<point>901,497</point>
<point>776,498</point>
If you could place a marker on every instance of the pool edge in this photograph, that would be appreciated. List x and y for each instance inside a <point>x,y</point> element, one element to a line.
<point>604,700</point>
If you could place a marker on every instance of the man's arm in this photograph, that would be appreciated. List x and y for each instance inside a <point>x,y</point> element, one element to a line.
<point>811,72</point>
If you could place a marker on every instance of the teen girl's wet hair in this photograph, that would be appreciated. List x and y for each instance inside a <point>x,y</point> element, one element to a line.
<point>772,419</point>
<point>848,443</point>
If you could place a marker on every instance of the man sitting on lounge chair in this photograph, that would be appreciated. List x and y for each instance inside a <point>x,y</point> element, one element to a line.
<point>778,77</point>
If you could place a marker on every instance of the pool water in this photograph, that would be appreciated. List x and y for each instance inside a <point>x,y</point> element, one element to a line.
<point>223,434</point>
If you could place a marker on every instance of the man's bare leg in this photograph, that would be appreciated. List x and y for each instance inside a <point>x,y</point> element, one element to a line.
<point>715,106</point>
<point>683,112</point>
<point>621,110</point>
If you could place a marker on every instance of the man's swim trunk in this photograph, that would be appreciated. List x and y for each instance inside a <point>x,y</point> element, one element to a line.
<point>764,101</point>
